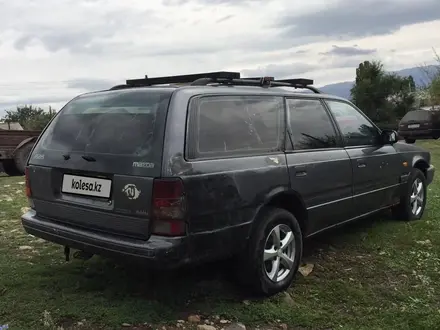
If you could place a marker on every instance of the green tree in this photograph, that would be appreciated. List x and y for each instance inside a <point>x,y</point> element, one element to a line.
<point>434,88</point>
<point>434,91</point>
<point>367,92</point>
<point>429,93</point>
<point>402,96</point>
<point>30,117</point>
<point>384,97</point>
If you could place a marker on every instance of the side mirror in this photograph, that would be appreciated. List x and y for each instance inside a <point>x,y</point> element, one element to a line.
<point>389,136</point>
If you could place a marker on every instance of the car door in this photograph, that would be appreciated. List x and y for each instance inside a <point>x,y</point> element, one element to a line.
<point>319,167</point>
<point>375,165</point>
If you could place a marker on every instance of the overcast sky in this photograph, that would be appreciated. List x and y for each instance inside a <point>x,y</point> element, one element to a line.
<point>52,50</point>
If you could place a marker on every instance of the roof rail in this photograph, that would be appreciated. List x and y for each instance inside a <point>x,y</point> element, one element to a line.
<point>221,78</point>
<point>295,83</point>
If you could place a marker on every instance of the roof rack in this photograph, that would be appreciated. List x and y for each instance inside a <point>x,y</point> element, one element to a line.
<point>182,79</point>
<point>220,78</point>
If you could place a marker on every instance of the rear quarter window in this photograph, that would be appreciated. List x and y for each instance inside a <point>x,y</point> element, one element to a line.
<point>235,125</point>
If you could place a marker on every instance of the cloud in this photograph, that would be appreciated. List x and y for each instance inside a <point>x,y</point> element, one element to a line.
<point>90,84</point>
<point>349,19</point>
<point>98,33</point>
<point>349,51</point>
<point>53,50</point>
<point>279,71</point>
<point>225,18</point>
<point>296,69</point>
<point>210,2</point>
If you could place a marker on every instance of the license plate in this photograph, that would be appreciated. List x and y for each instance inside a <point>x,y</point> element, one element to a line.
<point>414,126</point>
<point>81,185</point>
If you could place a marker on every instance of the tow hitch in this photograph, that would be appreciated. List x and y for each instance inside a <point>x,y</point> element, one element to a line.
<point>82,255</point>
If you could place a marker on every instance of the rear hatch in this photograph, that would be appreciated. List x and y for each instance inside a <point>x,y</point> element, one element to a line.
<point>94,166</point>
<point>418,120</point>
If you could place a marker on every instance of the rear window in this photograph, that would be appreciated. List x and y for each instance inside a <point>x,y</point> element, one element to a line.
<point>127,124</point>
<point>419,115</point>
<point>235,125</point>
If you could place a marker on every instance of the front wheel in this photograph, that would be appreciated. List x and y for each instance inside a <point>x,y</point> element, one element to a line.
<point>274,252</point>
<point>413,201</point>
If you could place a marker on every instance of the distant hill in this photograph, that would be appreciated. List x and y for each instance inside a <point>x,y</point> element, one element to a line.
<point>342,89</point>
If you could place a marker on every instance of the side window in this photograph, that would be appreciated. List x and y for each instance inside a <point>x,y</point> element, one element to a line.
<point>222,125</point>
<point>311,125</point>
<point>356,129</point>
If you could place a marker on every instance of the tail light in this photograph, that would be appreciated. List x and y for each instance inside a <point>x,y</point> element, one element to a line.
<point>169,207</point>
<point>28,188</point>
<point>28,185</point>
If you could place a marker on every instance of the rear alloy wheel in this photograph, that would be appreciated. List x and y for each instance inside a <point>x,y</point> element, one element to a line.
<point>279,253</point>
<point>274,253</point>
<point>412,205</point>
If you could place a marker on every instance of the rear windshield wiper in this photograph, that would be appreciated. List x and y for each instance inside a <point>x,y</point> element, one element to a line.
<point>89,158</point>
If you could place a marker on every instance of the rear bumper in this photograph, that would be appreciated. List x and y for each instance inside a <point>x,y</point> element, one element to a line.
<point>430,174</point>
<point>420,134</point>
<point>157,252</point>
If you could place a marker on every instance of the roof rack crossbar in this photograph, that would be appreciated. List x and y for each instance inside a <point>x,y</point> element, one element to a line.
<point>182,79</point>
<point>297,83</point>
<point>261,81</point>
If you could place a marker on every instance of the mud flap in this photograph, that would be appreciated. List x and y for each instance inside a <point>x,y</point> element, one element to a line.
<point>67,253</point>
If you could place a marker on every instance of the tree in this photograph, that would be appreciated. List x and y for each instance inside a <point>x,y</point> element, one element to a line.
<point>402,97</point>
<point>429,94</point>
<point>30,117</point>
<point>367,91</point>
<point>382,96</point>
<point>434,88</point>
<point>434,92</point>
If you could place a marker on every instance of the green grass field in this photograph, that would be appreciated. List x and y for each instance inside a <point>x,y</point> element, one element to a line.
<point>374,274</point>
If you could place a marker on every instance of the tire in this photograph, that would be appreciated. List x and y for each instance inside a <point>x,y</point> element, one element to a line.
<point>410,141</point>
<point>406,210</point>
<point>9,168</point>
<point>21,155</point>
<point>259,275</point>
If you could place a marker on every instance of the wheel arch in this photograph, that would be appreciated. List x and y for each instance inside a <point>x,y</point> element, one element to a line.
<point>421,164</point>
<point>289,200</point>
<point>22,143</point>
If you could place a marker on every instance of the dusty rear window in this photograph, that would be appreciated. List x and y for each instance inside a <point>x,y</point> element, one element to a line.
<point>115,132</point>
<point>419,115</point>
<point>115,123</point>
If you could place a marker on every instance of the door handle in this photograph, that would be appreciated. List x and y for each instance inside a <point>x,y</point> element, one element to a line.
<point>300,170</point>
<point>361,163</point>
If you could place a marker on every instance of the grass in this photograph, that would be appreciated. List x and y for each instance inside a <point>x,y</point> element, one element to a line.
<point>373,274</point>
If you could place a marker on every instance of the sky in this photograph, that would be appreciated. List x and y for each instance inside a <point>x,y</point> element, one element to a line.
<point>53,50</point>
